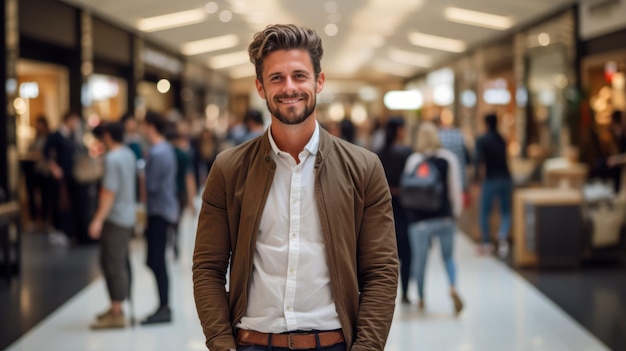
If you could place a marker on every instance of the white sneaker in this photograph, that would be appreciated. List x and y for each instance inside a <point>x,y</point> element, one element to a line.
<point>503,248</point>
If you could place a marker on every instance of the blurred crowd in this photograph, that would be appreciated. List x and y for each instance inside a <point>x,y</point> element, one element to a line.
<point>171,158</point>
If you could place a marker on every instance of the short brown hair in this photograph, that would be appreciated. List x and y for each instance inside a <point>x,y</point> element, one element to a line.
<point>285,37</point>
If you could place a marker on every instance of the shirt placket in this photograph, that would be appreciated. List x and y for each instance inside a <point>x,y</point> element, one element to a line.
<point>294,245</point>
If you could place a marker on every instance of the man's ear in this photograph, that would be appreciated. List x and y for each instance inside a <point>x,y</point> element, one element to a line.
<point>259,89</point>
<point>320,82</point>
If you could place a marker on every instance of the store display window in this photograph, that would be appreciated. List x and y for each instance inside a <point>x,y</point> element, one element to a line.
<point>42,90</point>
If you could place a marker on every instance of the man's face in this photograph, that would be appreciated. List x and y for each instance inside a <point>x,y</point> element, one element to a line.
<point>289,86</point>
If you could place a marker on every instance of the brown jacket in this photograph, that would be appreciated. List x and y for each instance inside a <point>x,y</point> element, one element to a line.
<point>356,220</point>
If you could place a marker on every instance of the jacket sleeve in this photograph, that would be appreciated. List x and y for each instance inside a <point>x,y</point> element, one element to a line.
<point>210,264</point>
<point>377,265</point>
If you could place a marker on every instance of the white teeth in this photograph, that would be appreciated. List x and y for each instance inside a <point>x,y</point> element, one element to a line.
<point>290,101</point>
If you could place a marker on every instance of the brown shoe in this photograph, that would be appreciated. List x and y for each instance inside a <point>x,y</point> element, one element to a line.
<point>104,314</point>
<point>458,304</point>
<point>109,321</point>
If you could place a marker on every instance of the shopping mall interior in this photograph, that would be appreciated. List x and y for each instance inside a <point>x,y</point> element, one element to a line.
<point>552,72</point>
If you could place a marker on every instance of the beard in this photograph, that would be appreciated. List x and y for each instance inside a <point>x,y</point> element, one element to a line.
<point>291,116</point>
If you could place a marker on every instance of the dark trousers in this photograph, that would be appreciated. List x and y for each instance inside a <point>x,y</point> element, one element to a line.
<point>65,215</point>
<point>156,240</point>
<point>404,246</point>
<point>41,190</point>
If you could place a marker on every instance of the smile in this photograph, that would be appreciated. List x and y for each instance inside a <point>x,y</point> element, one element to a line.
<point>290,101</point>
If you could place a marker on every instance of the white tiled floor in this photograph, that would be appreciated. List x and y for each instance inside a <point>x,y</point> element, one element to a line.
<point>503,312</point>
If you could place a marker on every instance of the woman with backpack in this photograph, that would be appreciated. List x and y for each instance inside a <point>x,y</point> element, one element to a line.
<point>431,193</point>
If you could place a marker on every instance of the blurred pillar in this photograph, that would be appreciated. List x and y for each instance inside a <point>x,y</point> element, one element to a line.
<point>81,67</point>
<point>137,65</point>
<point>139,71</point>
<point>9,167</point>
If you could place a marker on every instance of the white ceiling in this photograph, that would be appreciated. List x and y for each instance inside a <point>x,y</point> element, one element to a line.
<point>369,31</point>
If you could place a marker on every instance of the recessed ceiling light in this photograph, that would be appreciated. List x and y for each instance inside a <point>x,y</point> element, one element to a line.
<point>436,42</point>
<point>171,20</point>
<point>211,7</point>
<point>209,45</point>
<point>226,16</point>
<point>479,19</point>
<point>331,29</point>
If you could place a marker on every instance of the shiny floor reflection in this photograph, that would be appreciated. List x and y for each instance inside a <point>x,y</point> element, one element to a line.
<point>503,312</point>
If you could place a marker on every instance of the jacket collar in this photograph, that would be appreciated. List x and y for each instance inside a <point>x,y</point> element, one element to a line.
<point>325,142</point>
<point>312,146</point>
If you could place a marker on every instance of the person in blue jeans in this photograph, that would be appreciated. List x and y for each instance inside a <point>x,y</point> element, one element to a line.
<point>491,166</point>
<point>425,226</point>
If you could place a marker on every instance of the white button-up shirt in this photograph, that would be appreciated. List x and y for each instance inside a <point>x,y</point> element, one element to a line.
<point>290,287</point>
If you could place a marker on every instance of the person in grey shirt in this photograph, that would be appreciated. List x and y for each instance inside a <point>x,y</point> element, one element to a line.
<point>114,221</point>
<point>162,207</point>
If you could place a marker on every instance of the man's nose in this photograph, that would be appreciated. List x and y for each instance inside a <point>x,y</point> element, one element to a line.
<point>290,85</point>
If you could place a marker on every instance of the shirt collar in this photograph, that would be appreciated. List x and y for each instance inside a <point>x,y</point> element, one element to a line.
<point>312,146</point>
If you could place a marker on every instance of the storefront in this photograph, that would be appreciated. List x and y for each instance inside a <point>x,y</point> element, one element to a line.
<point>54,43</point>
<point>9,166</point>
<point>42,91</point>
<point>602,72</point>
<point>110,86</point>
<point>546,78</point>
<point>160,88</point>
<point>496,90</point>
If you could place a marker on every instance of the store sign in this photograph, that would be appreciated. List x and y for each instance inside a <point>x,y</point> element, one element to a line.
<point>101,88</point>
<point>403,100</point>
<point>443,95</point>
<point>497,96</point>
<point>441,83</point>
<point>29,90</point>
<point>497,93</point>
